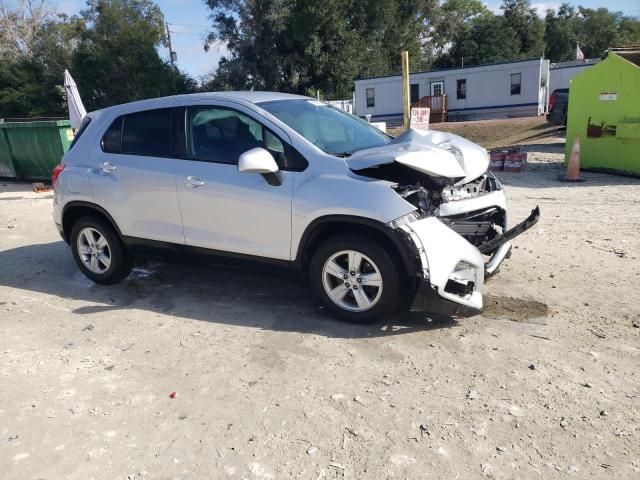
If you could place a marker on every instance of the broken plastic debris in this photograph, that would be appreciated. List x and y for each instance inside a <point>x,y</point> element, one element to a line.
<point>39,187</point>
<point>173,395</point>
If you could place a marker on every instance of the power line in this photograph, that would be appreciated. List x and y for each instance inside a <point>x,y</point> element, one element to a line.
<point>187,33</point>
<point>189,25</point>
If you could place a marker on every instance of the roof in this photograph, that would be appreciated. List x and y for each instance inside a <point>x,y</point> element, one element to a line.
<point>247,96</point>
<point>574,63</point>
<point>453,68</point>
<point>631,54</point>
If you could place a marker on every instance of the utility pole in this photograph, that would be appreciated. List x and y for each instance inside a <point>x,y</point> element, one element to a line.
<point>172,54</point>
<point>406,105</point>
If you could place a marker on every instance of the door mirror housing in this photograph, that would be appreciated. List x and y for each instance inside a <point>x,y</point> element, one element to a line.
<point>257,160</point>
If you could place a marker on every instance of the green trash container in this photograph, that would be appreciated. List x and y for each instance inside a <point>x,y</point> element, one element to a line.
<point>6,160</point>
<point>36,147</point>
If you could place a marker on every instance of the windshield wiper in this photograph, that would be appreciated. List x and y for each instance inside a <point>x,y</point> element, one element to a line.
<point>343,154</point>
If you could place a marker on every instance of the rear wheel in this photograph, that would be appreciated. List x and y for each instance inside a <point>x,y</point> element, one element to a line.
<point>98,250</point>
<point>355,278</point>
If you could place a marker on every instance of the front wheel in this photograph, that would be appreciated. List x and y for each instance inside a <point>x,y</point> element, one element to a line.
<point>355,278</point>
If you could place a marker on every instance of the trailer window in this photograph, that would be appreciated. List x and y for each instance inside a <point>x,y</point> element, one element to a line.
<point>516,83</point>
<point>371,97</point>
<point>415,92</point>
<point>461,89</point>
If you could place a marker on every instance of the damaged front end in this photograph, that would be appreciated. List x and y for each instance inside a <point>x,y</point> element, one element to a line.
<point>459,226</point>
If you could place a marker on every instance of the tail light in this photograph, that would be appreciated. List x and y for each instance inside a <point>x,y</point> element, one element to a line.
<point>55,173</point>
<point>552,101</point>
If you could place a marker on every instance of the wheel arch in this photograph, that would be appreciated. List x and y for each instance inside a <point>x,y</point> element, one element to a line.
<point>328,226</point>
<point>72,211</point>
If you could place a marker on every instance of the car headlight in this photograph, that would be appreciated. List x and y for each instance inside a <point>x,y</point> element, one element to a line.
<point>404,220</point>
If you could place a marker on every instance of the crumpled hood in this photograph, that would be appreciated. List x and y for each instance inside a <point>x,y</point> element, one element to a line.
<point>438,154</point>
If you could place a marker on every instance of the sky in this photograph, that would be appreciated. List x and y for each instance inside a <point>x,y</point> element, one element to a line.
<point>628,7</point>
<point>189,22</point>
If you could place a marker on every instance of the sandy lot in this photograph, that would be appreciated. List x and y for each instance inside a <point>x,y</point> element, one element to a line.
<point>543,384</point>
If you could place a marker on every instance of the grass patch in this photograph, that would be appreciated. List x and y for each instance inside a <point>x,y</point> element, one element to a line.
<point>497,133</point>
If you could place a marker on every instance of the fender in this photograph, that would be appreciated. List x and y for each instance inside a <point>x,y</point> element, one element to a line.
<point>91,206</point>
<point>405,249</point>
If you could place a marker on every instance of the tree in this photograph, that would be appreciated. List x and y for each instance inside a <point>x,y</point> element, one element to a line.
<point>117,61</point>
<point>453,22</point>
<point>31,83</point>
<point>601,29</point>
<point>561,32</point>
<point>110,49</point>
<point>488,40</point>
<point>595,31</point>
<point>20,26</point>
<point>305,45</point>
<point>528,28</point>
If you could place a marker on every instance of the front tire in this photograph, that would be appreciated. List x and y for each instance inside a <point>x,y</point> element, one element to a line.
<point>98,251</point>
<point>355,278</point>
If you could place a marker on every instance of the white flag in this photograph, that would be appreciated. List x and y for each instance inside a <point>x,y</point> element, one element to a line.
<point>579,54</point>
<point>76,109</point>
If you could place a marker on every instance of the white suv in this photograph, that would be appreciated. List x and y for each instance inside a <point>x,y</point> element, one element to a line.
<point>376,222</point>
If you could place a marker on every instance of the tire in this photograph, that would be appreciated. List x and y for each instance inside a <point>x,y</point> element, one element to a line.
<point>329,266</point>
<point>91,258</point>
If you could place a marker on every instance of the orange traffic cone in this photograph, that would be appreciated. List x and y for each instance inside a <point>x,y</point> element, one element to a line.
<point>573,167</point>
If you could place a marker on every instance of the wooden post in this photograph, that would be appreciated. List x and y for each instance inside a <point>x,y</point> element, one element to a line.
<point>406,91</point>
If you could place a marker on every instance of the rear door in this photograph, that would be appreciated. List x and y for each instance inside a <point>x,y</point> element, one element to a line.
<point>134,179</point>
<point>222,208</point>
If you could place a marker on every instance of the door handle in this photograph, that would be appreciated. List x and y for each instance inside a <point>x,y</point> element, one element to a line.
<point>194,182</point>
<point>108,167</point>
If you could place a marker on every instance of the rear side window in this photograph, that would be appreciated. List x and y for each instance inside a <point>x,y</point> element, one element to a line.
<point>112,140</point>
<point>147,133</point>
<point>83,126</point>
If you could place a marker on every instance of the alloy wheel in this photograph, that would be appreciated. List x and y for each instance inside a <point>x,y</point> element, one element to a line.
<point>93,250</point>
<point>352,280</point>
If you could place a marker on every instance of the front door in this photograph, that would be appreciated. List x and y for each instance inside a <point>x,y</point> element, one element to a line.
<point>437,89</point>
<point>222,208</point>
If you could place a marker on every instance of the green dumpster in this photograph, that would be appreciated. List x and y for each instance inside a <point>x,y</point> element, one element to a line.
<point>34,147</point>
<point>6,160</point>
<point>604,112</point>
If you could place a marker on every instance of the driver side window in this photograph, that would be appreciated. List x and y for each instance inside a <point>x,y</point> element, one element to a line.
<point>221,135</point>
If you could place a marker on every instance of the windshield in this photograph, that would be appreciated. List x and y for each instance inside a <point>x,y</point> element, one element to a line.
<point>328,128</point>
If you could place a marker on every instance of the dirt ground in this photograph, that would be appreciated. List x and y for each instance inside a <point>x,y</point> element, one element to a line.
<point>543,384</point>
<point>498,132</point>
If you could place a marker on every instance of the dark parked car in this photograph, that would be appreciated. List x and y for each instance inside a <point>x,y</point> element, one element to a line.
<point>558,106</point>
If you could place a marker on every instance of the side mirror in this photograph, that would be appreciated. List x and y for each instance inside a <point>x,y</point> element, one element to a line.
<point>257,160</point>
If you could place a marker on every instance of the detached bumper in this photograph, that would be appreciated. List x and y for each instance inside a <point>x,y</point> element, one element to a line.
<point>454,268</point>
<point>451,265</point>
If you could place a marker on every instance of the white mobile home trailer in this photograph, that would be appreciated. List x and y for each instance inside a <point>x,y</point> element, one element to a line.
<point>500,90</point>
<point>562,72</point>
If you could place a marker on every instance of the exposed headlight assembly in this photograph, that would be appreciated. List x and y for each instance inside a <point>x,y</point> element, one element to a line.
<point>404,220</point>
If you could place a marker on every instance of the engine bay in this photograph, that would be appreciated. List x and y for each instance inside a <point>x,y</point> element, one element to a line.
<point>428,194</point>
